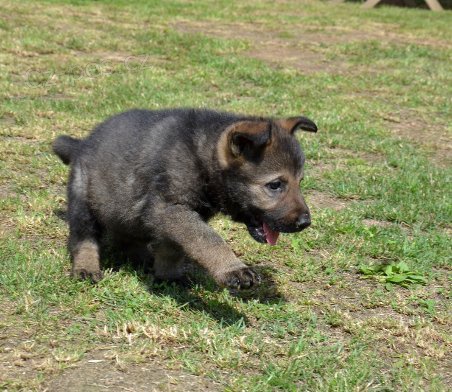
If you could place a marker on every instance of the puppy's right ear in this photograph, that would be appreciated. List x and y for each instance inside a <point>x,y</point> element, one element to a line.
<point>243,140</point>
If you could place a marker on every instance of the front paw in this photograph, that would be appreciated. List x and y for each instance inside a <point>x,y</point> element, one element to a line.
<point>242,278</point>
<point>85,274</point>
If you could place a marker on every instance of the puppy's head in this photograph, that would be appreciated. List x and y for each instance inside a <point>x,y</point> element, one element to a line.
<point>262,166</point>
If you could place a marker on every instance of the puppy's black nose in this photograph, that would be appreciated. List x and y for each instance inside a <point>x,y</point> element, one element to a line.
<point>303,221</point>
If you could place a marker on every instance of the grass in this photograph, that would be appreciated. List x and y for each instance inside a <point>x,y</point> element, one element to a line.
<point>377,83</point>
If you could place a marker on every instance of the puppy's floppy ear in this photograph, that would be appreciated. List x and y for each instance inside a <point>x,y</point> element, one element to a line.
<point>246,136</point>
<point>292,124</point>
<point>244,139</point>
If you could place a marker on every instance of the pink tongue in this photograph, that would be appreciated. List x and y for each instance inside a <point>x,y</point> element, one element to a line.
<point>270,235</point>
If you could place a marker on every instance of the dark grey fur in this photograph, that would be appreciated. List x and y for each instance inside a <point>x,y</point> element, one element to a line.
<point>156,177</point>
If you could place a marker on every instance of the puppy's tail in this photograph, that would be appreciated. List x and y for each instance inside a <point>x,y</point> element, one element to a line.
<point>66,148</point>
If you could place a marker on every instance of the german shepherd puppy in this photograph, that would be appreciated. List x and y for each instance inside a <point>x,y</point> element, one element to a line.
<point>154,178</point>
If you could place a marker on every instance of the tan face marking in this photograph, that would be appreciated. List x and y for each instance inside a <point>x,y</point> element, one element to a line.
<point>263,197</point>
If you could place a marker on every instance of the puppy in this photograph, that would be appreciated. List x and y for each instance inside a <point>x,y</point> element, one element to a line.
<point>154,178</point>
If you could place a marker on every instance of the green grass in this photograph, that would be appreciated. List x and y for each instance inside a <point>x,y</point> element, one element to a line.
<point>377,180</point>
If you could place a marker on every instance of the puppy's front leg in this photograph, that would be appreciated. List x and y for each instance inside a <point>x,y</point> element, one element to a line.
<point>202,244</point>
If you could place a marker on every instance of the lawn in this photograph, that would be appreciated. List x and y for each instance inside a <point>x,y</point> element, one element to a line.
<point>358,302</point>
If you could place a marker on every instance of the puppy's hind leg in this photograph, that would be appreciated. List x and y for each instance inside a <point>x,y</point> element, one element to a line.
<point>83,229</point>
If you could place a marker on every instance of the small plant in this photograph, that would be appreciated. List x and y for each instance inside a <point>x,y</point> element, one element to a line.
<point>389,274</point>
<point>429,305</point>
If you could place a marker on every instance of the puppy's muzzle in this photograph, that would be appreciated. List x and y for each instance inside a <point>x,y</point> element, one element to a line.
<point>303,221</point>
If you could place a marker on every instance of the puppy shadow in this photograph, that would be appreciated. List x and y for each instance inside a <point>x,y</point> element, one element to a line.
<point>196,298</point>
<point>267,292</point>
<point>193,293</point>
<point>196,292</point>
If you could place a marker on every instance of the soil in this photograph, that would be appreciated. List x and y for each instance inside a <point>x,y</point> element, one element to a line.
<point>298,52</point>
<point>92,375</point>
<point>436,138</point>
<point>319,200</point>
<point>21,361</point>
<point>302,49</point>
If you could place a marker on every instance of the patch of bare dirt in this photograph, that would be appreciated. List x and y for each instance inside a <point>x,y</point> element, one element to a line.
<point>438,139</point>
<point>16,357</point>
<point>396,324</point>
<point>5,191</point>
<point>23,365</point>
<point>270,47</point>
<point>317,168</point>
<point>327,35</point>
<point>302,49</point>
<point>448,231</point>
<point>96,374</point>
<point>304,60</point>
<point>319,200</point>
<point>8,119</point>
<point>6,222</point>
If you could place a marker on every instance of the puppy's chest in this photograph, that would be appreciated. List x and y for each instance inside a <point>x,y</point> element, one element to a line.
<point>208,202</point>
<point>206,209</point>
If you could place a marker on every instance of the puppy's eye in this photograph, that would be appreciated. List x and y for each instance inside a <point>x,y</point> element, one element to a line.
<point>275,185</point>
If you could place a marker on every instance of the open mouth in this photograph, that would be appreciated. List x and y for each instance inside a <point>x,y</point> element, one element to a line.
<point>264,234</point>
